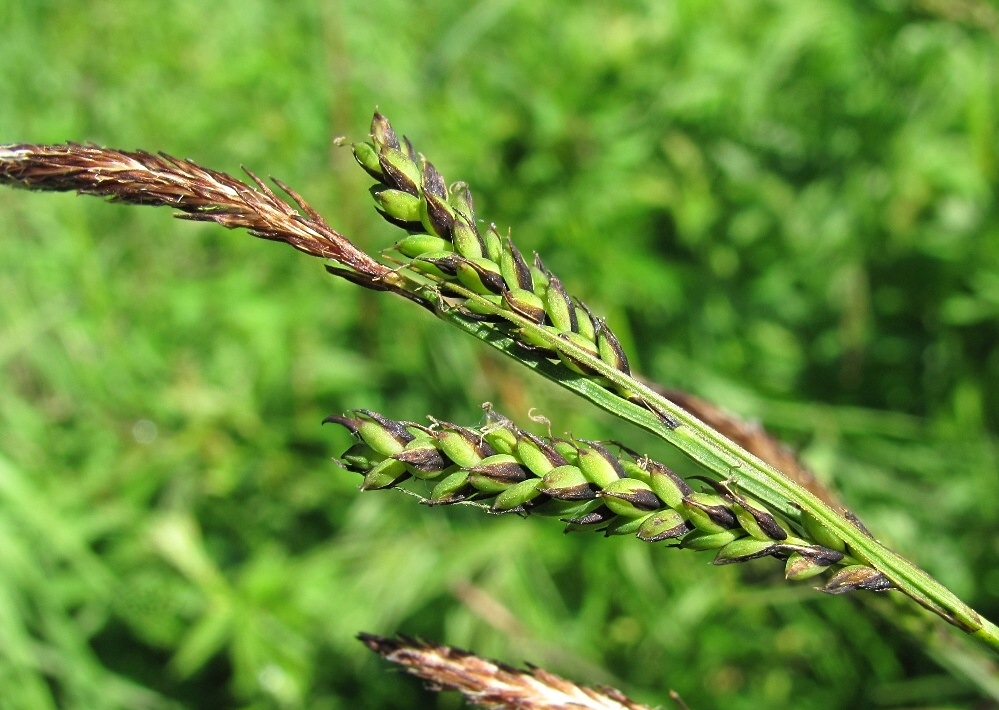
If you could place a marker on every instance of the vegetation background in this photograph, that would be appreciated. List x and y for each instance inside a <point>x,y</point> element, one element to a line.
<point>787,206</point>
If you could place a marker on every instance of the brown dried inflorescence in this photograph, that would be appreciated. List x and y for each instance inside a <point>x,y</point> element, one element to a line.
<point>491,684</point>
<point>198,193</point>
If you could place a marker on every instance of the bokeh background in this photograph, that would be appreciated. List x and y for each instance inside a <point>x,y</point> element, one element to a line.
<point>786,206</point>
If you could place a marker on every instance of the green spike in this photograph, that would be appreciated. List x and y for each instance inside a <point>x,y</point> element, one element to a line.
<point>416,245</point>
<point>598,464</point>
<point>517,495</point>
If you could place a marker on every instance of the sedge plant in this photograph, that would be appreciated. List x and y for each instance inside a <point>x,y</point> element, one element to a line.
<point>471,275</point>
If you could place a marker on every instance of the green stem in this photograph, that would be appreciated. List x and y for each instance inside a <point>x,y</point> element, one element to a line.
<point>725,458</point>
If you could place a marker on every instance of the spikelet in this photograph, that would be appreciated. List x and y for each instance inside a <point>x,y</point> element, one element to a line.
<point>448,244</point>
<point>591,486</point>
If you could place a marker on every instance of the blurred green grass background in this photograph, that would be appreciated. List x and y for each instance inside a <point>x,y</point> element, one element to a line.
<point>788,207</point>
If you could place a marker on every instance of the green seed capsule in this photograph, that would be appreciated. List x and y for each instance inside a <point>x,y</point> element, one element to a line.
<point>460,198</point>
<point>452,488</point>
<point>514,268</point>
<point>480,275</point>
<point>670,488</point>
<point>385,475</point>
<point>708,512</point>
<point>539,456</point>
<point>465,236</point>
<point>758,523</point>
<point>800,567</point>
<point>568,450</point>
<point>632,469</point>
<point>440,264</point>
<point>385,436</point>
<point>567,483</point>
<point>610,349</point>
<point>626,526</point>
<point>820,533</point>
<point>743,550</point>
<point>525,303</point>
<point>399,170</point>
<point>530,338</point>
<point>502,468</point>
<point>382,132</point>
<point>494,243</point>
<point>584,324</point>
<point>423,458</point>
<point>400,206</point>
<point>367,157</point>
<point>502,439</point>
<point>474,307</point>
<point>700,540</point>
<point>666,524</point>
<point>559,307</point>
<point>422,244</point>
<point>436,216</point>
<point>583,344</point>
<point>540,283</point>
<point>463,446</point>
<point>630,498</point>
<point>360,458</point>
<point>598,464</point>
<point>517,495</point>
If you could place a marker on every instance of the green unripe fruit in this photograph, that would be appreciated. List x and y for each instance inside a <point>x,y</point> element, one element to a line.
<point>559,307</point>
<point>584,324</point>
<point>800,567</point>
<point>708,512</point>
<point>626,525</point>
<point>399,171</point>
<point>665,524</point>
<point>398,205</point>
<point>422,244</point>
<point>610,349</point>
<point>820,533</point>
<point>502,439</point>
<point>451,489</point>
<point>670,488</point>
<point>567,483</point>
<point>700,540</point>
<point>526,303</point>
<point>582,343</point>
<point>514,268</point>
<point>539,456</point>
<point>385,436</point>
<point>463,446</point>
<point>460,198</point>
<point>466,239</point>
<point>367,157</point>
<point>758,523</point>
<point>744,549</point>
<point>598,464</point>
<point>501,468</point>
<point>493,244</point>
<point>440,264</point>
<point>630,498</point>
<point>517,495</point>
<point>481,276</point>
<point>385,475</point>
<point>423,458</point>
<point>567,449</point>
<point>360,458</point>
